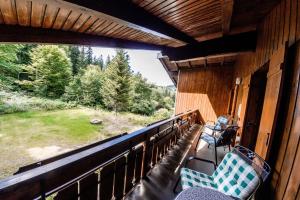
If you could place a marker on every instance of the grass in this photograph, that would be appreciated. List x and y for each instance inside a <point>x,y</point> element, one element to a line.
<point>27,137</point>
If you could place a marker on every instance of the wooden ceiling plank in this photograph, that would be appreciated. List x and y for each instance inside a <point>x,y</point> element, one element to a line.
<point>145,3</point>
<point>8,12</point>
<point>227,14</point>
<point>95,26</point>
<point>23,12</point>
<point>160,5</point>
<point>37,13</point>
<point>113,29</point>
<point>179,11</point>
<point>174,7</point>
<point>110,28</point>
<point>122,11</point>
<point>89,24</point>
<point>80,22</point>
<point>51,13</point>
<point>153,4</point>
<point>102,27</point>
<point>62,14</point>
<point>188,11</point>
<point>209,13</point>
<point>71,20</point>
<point>1,18</point>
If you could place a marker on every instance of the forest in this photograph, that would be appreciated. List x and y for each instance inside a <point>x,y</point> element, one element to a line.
<point>49,94</point>
<point>66,76</point>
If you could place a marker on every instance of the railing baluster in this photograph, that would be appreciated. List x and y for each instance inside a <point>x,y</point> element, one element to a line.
<point>88,187</point>
<point>107,181</point>
<point>119,182</point>
<point>138,164</point>
<point>130,170</point>
<point>70,192</point>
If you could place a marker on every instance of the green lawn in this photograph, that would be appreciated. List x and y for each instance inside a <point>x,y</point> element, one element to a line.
<point>31,136</point>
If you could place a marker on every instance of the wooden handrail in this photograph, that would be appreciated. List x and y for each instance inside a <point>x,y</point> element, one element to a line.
<point>66,154</point>
<point>38,182</point>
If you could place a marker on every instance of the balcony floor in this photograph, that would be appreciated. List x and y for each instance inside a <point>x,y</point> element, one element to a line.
<point>159,183</point>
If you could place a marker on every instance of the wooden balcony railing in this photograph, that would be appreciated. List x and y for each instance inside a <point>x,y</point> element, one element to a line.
<point>110,169</point>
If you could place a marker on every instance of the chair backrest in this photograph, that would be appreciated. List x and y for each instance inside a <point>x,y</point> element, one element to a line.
<point>235,177</point>
<point>222,122</point>
<point>227,136</point>
<point>260,166</point>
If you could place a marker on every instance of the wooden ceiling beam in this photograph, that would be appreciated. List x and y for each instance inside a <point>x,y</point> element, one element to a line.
<point>131,13</point>
<point>243,42</point>
<point>19,34</point>
<point>227,10</point>
<point>233,31</point>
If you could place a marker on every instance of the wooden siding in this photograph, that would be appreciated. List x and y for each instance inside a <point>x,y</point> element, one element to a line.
<point>61,15</point>
<point>206,89</point>
<point>281,25</point>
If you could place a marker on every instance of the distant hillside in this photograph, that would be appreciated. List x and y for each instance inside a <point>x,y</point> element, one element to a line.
<point>171,87</point>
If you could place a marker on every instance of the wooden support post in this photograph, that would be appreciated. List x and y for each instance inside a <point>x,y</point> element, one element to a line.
<point>235,95</point>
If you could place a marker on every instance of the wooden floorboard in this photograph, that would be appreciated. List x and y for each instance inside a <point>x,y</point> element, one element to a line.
<point>159,183</point>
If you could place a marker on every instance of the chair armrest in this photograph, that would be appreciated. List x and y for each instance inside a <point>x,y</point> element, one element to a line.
<point>200,159</point>
<point>210,123</point>
<point>212,136</point>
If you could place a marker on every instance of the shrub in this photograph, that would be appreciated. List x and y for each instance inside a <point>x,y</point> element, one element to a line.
<point>162,114</point>
<point>15,102</point>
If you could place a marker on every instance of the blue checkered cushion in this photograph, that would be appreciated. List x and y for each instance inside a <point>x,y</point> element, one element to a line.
<point>207,138</point>
<point>222,121</point>
<point>234,177</point>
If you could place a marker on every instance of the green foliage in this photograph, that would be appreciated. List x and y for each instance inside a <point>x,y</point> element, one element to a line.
<point>116,86</point>
<point>89,56</point>
<point>74,54</point>
<point>50,70</point>
<point>162,113</point>
<point>85,88</point>
<point>73,91</point>
<point>12,102</point>
<point>91,82</point>
<point>46,70</point>
<point>99,62</point>
<point>141,102</point>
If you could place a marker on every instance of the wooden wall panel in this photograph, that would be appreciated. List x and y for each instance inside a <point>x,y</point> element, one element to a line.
<point>206,89</point>
<point>281,25</point>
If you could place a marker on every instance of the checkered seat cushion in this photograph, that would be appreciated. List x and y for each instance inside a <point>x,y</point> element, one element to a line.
<point>222,121</point>
<point>233,177</point>
<point>191,178</point>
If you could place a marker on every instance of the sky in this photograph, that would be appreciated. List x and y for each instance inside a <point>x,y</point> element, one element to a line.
<point>143,61</point>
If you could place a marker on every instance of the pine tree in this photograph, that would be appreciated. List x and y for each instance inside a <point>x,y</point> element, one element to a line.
<point>23,54</point>
<point>107,61</point>
<point>89,56</point>
<point>116,85</point>
<point>100,62</point>
<point>74,55</point>
<point>82,58</point>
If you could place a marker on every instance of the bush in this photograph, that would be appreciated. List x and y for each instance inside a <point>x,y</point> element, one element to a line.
<point>162,113</point>
<point>15,102</point>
